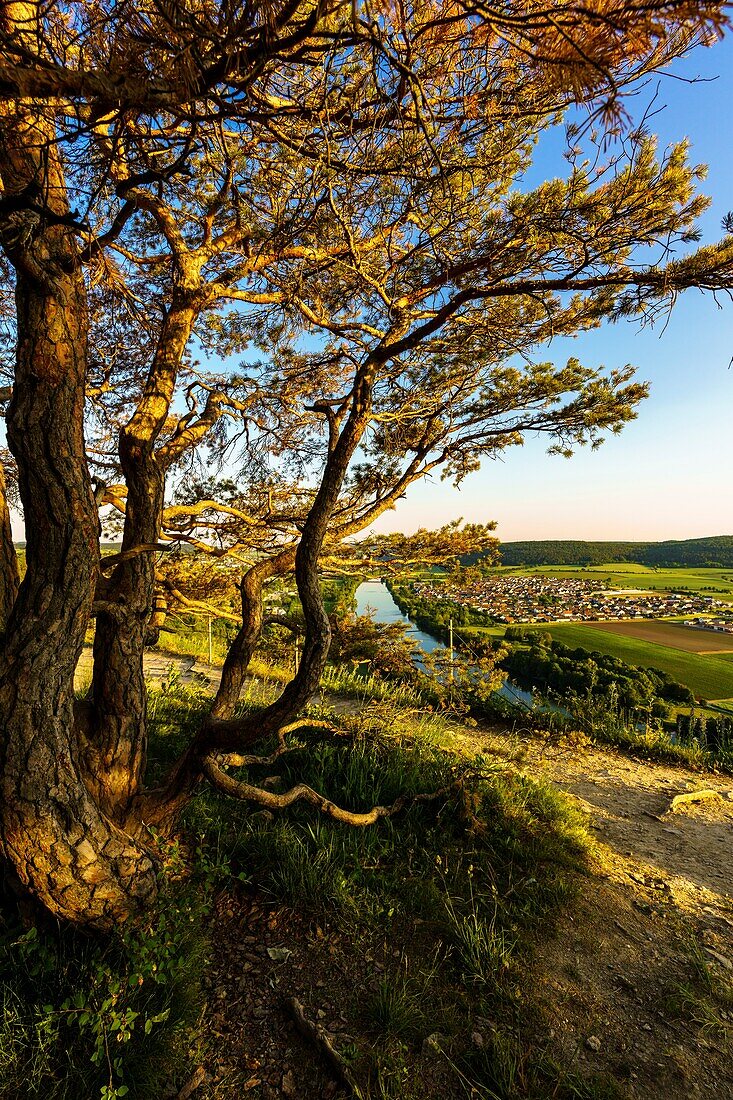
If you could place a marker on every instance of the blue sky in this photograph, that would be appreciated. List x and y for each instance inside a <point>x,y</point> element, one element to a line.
<point>670,473</point>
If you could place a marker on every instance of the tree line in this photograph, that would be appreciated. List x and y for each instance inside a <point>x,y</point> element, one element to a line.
<point>716,551</point>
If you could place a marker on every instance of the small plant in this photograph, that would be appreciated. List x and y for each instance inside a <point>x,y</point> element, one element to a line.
<point>483,948</point>
<point>88,1018</point>
<point>507,1068</point>
<point>393,1010</point>
<point>706,999</point>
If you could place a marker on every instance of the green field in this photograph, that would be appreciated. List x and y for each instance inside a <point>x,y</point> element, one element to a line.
<point>717,583</point>
<point>709,677</point>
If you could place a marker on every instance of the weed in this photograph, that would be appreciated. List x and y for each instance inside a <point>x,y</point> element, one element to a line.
<point>84,1017</point>
<point>707,998</point>
<point>394,1009</point>
<point>506,1068</point>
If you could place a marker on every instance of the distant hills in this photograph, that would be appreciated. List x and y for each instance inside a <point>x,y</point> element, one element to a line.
<point>714,551</point>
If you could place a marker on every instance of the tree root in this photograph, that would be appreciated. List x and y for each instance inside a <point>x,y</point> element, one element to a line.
<point>237,760</point>
<point>318,1037</point>
<point>249,792</point>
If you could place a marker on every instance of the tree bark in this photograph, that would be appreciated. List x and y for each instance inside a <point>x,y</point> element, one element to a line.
<point>118,743</point>
<point>242,649</point>
<point>65,852</point>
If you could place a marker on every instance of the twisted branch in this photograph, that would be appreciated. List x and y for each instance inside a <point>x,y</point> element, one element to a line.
<point>248,792</point>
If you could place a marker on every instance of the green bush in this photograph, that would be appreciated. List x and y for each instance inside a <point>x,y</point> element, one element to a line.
<point>83,1017</point>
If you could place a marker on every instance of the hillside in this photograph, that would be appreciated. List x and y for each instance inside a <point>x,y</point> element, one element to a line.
<point>586,959</point>
<point>717,550</point>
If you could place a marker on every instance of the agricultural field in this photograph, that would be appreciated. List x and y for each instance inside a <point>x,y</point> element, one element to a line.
<point>715,582</point>
<point>701,660</point>
<point>708,676</point>
<point>673,634</point>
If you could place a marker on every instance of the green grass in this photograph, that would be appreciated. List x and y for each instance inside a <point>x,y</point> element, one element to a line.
<point>455,887</point>
<point>394,1008</point>
<point>708,676</point>
<point>100,1018</point>
<point>705,999</point>
<point>189,637</point>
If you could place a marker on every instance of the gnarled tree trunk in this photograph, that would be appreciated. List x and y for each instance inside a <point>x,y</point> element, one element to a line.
<point>245,642</point>
<point>118,744</point>
<point>61,846</point>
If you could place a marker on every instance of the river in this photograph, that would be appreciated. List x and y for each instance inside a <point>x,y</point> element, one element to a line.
<point>373,597</point>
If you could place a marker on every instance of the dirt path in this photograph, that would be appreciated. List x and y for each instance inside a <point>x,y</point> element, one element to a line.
<point>629,803</point>
<point>159,666</point>
<point>654,920</point>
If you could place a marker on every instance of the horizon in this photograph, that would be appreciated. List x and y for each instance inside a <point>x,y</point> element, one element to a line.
<point>20,543</point>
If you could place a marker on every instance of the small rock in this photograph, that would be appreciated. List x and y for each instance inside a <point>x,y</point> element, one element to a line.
<point>279,954</point>
<point>593,1043</point>
<point>288,1085</point>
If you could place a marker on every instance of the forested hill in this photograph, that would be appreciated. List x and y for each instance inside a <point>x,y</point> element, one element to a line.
<point>716,550</point>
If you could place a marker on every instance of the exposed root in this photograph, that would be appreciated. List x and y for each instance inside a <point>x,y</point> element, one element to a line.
<point>316,1035</point>
<point>238,760</point>
<point>249,792</point>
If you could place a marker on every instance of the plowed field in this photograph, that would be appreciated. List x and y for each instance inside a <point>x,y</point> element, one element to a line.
<point>675,635</point>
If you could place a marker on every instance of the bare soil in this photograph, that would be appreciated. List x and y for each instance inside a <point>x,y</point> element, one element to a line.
<point>675,635</point>
<point>660,892</point>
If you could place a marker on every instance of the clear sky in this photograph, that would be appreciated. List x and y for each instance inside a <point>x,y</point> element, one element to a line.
<point>669,475</point>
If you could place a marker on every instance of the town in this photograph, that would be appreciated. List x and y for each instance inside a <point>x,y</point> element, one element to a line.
<point>516,599</point>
